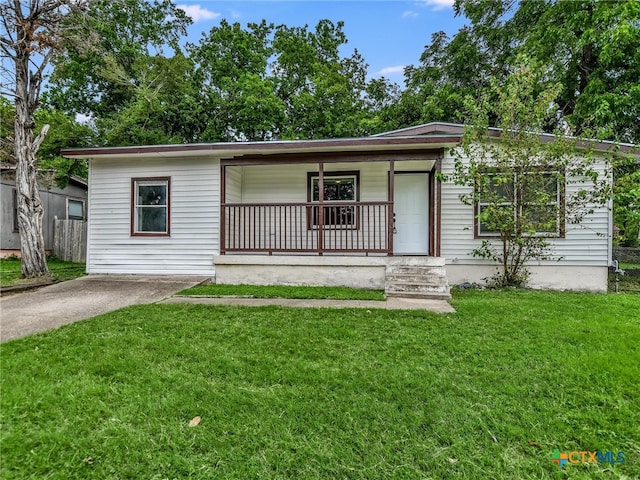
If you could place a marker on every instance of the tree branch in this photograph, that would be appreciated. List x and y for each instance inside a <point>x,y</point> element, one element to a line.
<point>40,138</point>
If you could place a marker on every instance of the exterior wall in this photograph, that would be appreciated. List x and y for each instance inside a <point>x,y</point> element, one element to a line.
<point>547,277</point>
<point>584,245</point>
<point>288,183</point>
<point>194,217</point>
<point>54,201</point>
<point>234,184</point>
<point>356,272</point>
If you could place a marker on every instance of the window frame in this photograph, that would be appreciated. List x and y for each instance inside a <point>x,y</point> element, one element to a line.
<point>135,206</point>
<point>312,212</point>
<point>559,203</point>
<point>84,211</point>
<point>15,224</point>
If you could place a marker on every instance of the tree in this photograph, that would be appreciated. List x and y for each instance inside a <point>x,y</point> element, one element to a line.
<point>239,94</point>
<point>626,202</point>
<point>264,82</point>
<point>65,132</point>
<point>524,190</point>
<point>590,47</point>
<point>322,91</point>
<point>452,68</point>
<point>33,34</point>
<point>163,104</point>
<point>119,64</point>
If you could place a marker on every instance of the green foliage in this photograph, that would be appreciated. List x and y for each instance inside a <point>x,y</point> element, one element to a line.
<point>518,183</point>
<point>163,103</point>
<point>128,31</point>
<point>232,65</point>
<point>7,119</point>
<point>267,82</point>
<point>589,47</point>
<point>328,393</point>
<point>626,202</point>
<point>64,132</point>
<point>597,61</point>
<point>237,84</point>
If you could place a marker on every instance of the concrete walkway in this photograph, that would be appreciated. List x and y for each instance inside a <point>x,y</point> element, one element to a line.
<point>394,303</point>
<point>35,311</point>
<point>50,307</point>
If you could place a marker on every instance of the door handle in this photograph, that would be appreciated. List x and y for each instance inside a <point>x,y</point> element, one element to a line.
<point>395,230</point>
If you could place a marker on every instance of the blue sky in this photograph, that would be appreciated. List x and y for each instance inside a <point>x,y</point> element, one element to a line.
<point>389,34</point>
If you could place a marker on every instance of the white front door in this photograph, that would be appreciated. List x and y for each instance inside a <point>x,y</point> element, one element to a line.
<point>411,207</point>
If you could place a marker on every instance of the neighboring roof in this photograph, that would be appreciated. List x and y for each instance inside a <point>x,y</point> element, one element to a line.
<point>430,135</point>
<point>73,180</point>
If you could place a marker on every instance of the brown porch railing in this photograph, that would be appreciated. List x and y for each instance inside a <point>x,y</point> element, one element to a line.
<point>361,227</point>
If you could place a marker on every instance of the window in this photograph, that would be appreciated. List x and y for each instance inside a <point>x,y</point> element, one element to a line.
<point>75,209</point>
<point>15,211</point>
<point>339,188</point>
<point>535,199</point>
<point>150,206</point>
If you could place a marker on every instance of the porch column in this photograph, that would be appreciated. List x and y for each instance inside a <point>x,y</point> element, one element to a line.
<point>320,207</point>
<point>223,208</point>
<point>391,216</point>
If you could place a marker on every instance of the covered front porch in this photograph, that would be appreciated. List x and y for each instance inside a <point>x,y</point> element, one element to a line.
<point>353,203</point>
<point>358,219</point>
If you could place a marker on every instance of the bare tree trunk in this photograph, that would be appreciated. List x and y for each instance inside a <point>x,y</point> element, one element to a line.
<point>30,209</point>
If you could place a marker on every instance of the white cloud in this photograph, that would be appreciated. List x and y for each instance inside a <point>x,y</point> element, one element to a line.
<point>391,70</point>
<point>409,14</point>
<point>197,13</point>
<point>438,4</point>
<point>235,14</point>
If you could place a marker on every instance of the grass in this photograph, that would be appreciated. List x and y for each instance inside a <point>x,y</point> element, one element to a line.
<point>488,392</point>
<point>277,291</point>
<point>11,274</point>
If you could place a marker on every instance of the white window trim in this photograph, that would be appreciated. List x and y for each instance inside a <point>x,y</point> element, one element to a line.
<point>150,181</point>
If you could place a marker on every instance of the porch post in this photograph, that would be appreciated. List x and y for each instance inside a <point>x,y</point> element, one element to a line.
<point>390,220</point>
<point>223,201</point>
<point>320,207</point>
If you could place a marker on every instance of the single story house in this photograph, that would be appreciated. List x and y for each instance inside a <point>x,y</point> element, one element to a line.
<point>68,203</point>
<point>365,212</point>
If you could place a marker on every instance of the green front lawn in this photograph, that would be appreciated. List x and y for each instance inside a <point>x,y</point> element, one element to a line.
<point>487,392</point>
<point>279,291</point>
<point>11,274</point>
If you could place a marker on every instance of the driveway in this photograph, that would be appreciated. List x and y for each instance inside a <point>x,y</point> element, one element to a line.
<point>50,307</point>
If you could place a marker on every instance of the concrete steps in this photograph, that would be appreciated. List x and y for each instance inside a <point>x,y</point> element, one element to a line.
<point>417,277</point>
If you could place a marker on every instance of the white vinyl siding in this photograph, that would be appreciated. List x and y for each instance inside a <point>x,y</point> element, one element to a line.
<point>585,244</point>
<point>288,183</point>
<point>193,239</point>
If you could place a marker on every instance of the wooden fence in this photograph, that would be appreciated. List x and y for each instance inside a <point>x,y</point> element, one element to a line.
<point>70,240</point>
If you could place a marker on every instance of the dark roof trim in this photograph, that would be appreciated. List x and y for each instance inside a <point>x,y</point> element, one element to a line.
<point>441,128</point>
<point>267,147</point>
<point>441,133</point>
